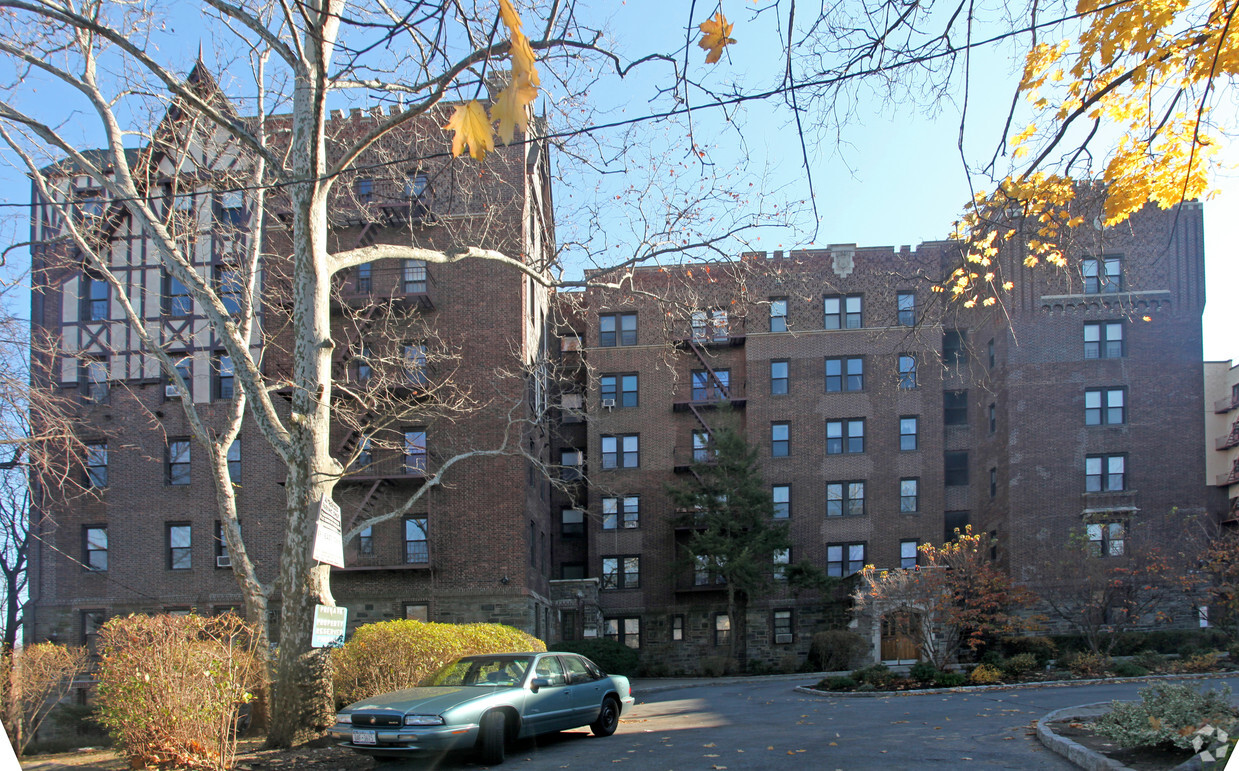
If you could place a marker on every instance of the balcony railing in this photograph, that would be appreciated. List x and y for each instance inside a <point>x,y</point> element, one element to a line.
<point>708,396</point>
<point>1106,501</point>
<point>400,284</point>
<point>389,465</point>
<point>713,332</point>
<point>684,457</point>
<point>1225,405</point>
<point>414,555</point>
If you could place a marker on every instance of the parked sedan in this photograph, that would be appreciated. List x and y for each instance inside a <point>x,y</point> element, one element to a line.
<point>486,703</point>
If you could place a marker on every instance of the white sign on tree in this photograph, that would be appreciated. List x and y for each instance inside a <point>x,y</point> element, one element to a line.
<point>328,541</point>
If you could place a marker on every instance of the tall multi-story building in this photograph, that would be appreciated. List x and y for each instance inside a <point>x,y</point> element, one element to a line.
<point>1222,435</point>
<point>451,352</point>
<point>886,418</point>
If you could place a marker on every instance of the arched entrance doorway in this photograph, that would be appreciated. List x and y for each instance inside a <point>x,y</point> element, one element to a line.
<point>901,632</point>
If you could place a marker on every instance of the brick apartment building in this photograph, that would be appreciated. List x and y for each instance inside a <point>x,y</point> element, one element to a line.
<point>885,417</point>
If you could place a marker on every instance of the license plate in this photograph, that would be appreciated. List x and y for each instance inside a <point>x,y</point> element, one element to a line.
<point>364,737</point>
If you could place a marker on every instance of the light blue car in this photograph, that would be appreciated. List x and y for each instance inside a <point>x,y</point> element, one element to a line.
<point>486,703</point>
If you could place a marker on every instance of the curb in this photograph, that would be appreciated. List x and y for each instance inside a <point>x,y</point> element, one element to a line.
<point>1081,755</point>
<point>808,689</point>
<point>640,689</point>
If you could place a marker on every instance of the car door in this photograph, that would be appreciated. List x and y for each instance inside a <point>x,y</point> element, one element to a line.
<point>587,690</point>
<point>550,709</point>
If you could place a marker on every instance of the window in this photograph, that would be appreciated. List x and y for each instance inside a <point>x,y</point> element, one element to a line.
<point>907,371</point>
<point>178,300</point>
<point>92,622</point>
<point>993,481</point>
<point>781,559</point>
<point>1103,340</point>
<point>178,462</point>
<point>710,326</point>
<point>778,377</point>
<point>221,547</point>
<point>782,627</point>
<point>95,547</point>
<point>909,495</point>
<point>365,541</point>
<point>364,276</point>
<point>415,451</point>
<point>621,451</point>
<point>234,461</point>
<point>845,436</point>
<point>908,551</point>
<point>365,190</point>
<point>572,570</point>
<point>1106,540</point>
<point>953,347</point>
<point>180,546</point>
<point>844,559</point>
<point>993,417</point>
<point>1105,473</point>
<point>365,454</point>
<point>990,349</point>
<point>1105,407</point>
<point>416,184</point>
<point>95,293</point>
<point>703,448</point>
<point>621,572</point>
<point>955,408</point>
<point>415,367</point>
<point>843,312</point>
<point>621,512</point>
<point>709,389</point>
<point>954,523</point>
<point>94,380</point>
<point>907,433</point>
<point>97,465</point>
<point>706,571</point>
<point>416,542</point>
<point>722,629</point>
<point>231,209</point>
<point>621,390</point>
<point>782,495</point>
<point>224,376</point>
<point>362,363</point>
<point>414,276</point>
<point>624,630</point>
<point>955,469</point>
<point>845,499</point>
<point>617,329</point>
<point>230,286</point>
<point>906,306</point>
<point>1102,274</point>
<point>780,440</point>
<point>845,374</point>
<point>570,465</point>
<point>572,523</point>
<point>778,314</point>
<point>677,628</point>
<point>417,611</point>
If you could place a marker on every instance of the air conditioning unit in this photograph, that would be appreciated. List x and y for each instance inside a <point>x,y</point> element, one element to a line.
<point>171,391</point>
<point>782,638</point>
<point>608,403</point>
<point>223,561</point>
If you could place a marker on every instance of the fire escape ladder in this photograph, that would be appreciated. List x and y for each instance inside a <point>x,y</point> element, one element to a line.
<point>1233,439</point>
<point>700,352</point>
<point>363,508</point>
<point>1234,473</point>
<point>349,442</point>
<point>702,420</point>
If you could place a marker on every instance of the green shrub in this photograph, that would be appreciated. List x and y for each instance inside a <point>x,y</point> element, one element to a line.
<point>612,656</point>
<point>1150,660</point>
<point>994,658</point>
<point>950,679</point>
<point>170,687</point>
<point>1166,714</point>
<point>985,674</point>
<point>1043,648</point>
<point>836,650</point>
<point>1128,669</point>
<point>923,672</point>
<point>877,675</point>
<point>1089,665</point>
<point>393,655</point>
<point>1019,665</point>
<point>1199,662</point>
<point>838,683</point>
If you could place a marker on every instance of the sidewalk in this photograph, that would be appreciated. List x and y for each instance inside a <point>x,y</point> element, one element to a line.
<point>644,685</point>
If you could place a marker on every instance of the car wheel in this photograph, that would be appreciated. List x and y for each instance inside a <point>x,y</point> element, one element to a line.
<point>608,718</point>
<point>493,732</point>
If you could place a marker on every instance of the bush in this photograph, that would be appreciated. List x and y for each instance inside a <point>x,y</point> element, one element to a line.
<point>838,683</point>
<point>1128,669</point>
<point>393,655</point>
<point>1166,714</point>
<point>923,672</point>
<point>1087,665</point>
<point>985,674</point>
<point>43,674</point>
<point>715,666</point>
<point>1150,660</point>
<point>877,675</point>
<point>170,687</point>
<point>836,650</point>
<point>612,656</point>
<point>1199,662</point>
<point>950,679</point>
<point>994,658</point>
<point>1043,648</point>
<point>1019,665</point>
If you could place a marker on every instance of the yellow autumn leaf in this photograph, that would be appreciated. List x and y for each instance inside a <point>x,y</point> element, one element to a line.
<point>472,130</point>
<point>715,36</point>
<point>509,109</point>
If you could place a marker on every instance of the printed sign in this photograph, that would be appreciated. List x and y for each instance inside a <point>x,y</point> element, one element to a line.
<point>328,543</point>
<point>329,625</point>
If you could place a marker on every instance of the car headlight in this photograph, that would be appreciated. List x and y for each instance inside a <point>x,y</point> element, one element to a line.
<point>343,717</point>
<point>423,720</point>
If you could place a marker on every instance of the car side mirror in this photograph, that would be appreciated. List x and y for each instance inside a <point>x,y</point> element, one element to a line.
<point>539,682</point>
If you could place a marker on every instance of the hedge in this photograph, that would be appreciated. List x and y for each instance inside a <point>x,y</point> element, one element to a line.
<point>612,656</point>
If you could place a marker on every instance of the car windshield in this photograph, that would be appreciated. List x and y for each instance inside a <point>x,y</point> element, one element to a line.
<point>482,671</point>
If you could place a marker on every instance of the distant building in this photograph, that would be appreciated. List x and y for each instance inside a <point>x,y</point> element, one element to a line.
<point>1222,432</point>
